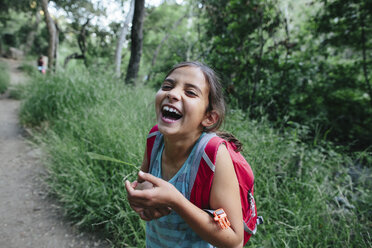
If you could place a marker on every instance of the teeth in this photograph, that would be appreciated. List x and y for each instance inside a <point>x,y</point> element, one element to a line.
<point>170,109</point>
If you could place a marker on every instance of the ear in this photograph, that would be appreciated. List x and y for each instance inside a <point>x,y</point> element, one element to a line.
<point>210,118</point>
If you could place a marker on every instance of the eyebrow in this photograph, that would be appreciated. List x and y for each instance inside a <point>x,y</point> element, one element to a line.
<point>172,81</point>
<point>169,80</point>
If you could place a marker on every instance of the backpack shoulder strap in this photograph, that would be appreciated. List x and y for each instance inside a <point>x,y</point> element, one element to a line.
<point>204,167</point>
<point>152,145</point>
<point>210,151</point>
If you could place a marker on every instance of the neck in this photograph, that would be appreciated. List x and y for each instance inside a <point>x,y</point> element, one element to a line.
<point>176,150</point>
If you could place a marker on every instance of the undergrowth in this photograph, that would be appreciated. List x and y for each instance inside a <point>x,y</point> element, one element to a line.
<point>306,193</point>
<point>4,77</point>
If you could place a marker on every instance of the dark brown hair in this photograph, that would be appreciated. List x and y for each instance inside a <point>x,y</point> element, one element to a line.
<point>216,99</point>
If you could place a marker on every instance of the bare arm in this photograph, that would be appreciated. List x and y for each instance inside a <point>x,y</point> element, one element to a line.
<point>224,194</point>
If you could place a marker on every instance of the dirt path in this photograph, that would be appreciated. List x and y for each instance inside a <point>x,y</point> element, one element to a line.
<point>28,218</point>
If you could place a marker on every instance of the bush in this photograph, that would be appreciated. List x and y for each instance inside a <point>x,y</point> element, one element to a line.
<point>305,193</point>
<point>28,68</point>
<point>58,95</point>
<point>17,91</point>
<point>4,77</point>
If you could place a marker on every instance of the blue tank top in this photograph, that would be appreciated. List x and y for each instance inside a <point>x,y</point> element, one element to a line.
<point>171,230</point>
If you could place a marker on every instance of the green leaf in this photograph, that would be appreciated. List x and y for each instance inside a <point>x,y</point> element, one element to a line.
<point>106,158</point>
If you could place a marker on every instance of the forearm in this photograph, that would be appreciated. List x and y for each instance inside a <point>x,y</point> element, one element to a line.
<point>164,194</point>
<point>204,225</point>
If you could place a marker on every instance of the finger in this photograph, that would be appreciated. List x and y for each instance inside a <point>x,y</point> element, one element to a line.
<point>132,192</point>
<point>137,209</point>
<point>137,198</point>
<point>158,213</point>
<point>148,213</point>
<point>150,178</point>
<point>128,186</point>
<point>133,199</point>
<point>144,217</point>
<point>164,211</point>
<point>134,184</point>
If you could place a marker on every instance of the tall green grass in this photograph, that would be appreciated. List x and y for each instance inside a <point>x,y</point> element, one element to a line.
<point>296,187</point>
<point>4,77</point>
<point>92,113</point>
<point>29,67</point>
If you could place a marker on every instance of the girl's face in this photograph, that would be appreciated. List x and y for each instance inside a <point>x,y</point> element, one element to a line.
<point>182,101</point>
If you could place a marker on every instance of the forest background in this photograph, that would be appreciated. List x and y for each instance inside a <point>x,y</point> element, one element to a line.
<point>296,76</point>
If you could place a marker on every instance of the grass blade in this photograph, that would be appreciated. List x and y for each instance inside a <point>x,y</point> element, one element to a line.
<point>106,158</point>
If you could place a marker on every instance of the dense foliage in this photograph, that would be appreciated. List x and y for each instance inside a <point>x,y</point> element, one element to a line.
<point>344,81</point>
<point>239,32</point>
<point>170,37</point>
<point>307,75</point>
<point>4,77</point>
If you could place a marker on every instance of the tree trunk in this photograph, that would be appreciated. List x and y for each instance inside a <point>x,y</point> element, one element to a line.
<point>56,44</point>
<point>136,44</point>
<point>364,54</point>
<point>257,75</point>
<point>123,33</point>
<point>72,56</point>
<point>52,35</point>
<point>287,41</point>
<point>81,39</point>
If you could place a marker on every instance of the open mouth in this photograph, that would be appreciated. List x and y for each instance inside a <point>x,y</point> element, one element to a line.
<point>170,113</point>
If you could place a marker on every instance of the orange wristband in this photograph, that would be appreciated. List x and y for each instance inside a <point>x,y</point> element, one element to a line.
<point>221,217</point>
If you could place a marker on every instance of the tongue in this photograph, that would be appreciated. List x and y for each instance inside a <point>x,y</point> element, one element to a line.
<point>171,116</point>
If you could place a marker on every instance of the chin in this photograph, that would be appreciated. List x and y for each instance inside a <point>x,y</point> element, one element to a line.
<point>166,129</point>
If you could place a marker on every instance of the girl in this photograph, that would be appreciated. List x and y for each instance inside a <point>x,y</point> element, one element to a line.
<point>188,104</point>
<point>40,64</point>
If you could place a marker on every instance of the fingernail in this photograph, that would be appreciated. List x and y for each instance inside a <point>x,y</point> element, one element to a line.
<point>140,173</point>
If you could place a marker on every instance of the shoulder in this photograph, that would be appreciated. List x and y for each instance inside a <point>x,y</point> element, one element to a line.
<point>225,186</point>
<point>154,129</point>
<point>223,159</point>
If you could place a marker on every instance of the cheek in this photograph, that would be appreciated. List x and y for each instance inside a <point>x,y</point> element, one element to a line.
<point>205,104</point>
<point>158,99</point>
<point>197,109</point>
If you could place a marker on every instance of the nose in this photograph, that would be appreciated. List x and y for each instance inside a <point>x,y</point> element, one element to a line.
<point>174,94</point>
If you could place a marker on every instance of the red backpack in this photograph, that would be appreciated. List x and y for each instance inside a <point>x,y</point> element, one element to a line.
<point>202,171</point>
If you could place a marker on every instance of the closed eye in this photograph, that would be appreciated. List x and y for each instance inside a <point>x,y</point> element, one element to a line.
<point>192,90</point>
<point>191,93</point>
<point>168,84</point>
<point>166,87</point>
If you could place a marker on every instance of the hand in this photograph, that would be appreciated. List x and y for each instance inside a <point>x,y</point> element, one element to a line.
<point>143,185</point>
<point>154,213</point>
<point>148,214</point>
<point>145,213</point>
<point>162,194</point>
<point>134,186</point>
